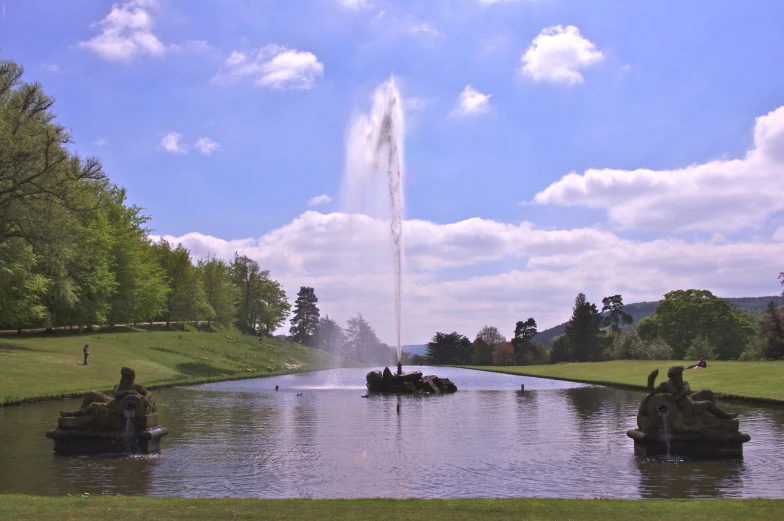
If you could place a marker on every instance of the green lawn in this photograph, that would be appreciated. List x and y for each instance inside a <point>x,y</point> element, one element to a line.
<point>762,381</point>
<point>119,508</point>
<point>37,366</point>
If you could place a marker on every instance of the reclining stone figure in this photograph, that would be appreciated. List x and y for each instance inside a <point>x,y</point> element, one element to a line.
<point>107,409</point>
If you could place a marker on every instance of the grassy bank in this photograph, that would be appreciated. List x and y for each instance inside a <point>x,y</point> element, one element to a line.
<point>39,366</point>
<point>118,508</point>
<point>757,381</point>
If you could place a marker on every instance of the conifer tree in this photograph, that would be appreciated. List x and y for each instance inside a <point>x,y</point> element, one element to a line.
<point>304,323</point>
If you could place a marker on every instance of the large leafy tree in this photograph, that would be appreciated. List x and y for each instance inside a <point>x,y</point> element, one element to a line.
<point>142,288</point>
<point>219,290</point>
<point>772,331</point>
<point>584,332</point>
<point>186,300</point>
<point>490,335</point>
<point>363,345</point>
<point>330,336</point>
<point>75,253</point>
<point>481,352</point>
<point>22,290</point>
<point>561,350</point>
<point>262,303</point>
<point>305,322</point>
<point>449,348</point>
<point>38,174</point>
<point>503,354</point>
<point>684,315</point>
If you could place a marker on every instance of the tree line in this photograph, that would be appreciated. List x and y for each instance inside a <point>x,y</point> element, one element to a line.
<point>73,253</point>
<point>687,324</point>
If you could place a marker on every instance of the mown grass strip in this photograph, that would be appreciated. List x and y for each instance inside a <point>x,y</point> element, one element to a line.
<point>121,508</point>
<point>756,382</point>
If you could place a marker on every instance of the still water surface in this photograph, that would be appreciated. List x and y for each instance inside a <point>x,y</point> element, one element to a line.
<point>317,437</point>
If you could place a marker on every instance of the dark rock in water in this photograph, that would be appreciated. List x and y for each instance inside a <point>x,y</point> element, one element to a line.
<point>407,383</point>
<point>691,425</point>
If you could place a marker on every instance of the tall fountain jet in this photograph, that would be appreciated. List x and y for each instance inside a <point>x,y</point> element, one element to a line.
<point>375,150</point>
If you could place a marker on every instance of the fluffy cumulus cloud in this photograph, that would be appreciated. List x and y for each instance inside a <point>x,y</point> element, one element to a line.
<point>272,66</point>
<point>172,142</point>
<point>206,145</point>
<point>354,4</point>
<point>426,29</point>
<point>557,55</point>
<point>472,102</point>
<point>347,258</point>
<point>126,32</point>
<point>491,2</point>
<point>319,200</point>
<point>714,196</point>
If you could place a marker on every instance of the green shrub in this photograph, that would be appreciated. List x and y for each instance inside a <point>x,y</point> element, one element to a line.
<point>701,348</point>
<point>755,350</point>
<point>629,346</point>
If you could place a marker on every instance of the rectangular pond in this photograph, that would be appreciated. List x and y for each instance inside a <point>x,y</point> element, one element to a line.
<point>318,437</point>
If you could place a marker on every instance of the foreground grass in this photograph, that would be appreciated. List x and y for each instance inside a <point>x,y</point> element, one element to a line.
<point>119,508</point>
<point>761,381</point>
<point>39,366</point>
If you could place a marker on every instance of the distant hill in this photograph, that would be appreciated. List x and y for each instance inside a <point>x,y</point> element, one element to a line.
<point>415,349</point>
<point>639,310</point>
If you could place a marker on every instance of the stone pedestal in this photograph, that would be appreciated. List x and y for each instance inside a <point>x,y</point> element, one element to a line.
<point>75,441</point>
<point>709,444</point>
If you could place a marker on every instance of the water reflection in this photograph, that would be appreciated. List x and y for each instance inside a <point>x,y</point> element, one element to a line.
<point>690,479</point>
<point>317,437</point>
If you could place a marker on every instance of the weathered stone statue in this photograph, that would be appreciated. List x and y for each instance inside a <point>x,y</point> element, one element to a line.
<point>124,420</point>
<point>105,411</point>
<point>674,420</point>
<point>407,383</point>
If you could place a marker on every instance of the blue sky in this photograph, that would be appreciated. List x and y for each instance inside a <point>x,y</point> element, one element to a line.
<point>224,119</point>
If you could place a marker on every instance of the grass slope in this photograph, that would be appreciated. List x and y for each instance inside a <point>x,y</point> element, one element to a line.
<point>39,366</point>
<point>760,381</point>
<point>150,509</point>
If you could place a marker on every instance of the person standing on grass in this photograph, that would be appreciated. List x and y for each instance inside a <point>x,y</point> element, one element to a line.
<point>86,353</point>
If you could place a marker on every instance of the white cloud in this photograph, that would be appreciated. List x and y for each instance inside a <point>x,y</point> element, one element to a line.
<point>354,4</point>
<point>727,194</point>
<point>348,260</point>
<point>778,235</point>
<point>171,143</point>
<point>273,66</point>
<point>51,67</point>
<point>101,141</point>
<point>126,32</point>
<point>491,2</point>
<point>472,102</point>
<point>557,54</point>
<point>319,200</point>
<point>426,28</point>
<point>206,146</point>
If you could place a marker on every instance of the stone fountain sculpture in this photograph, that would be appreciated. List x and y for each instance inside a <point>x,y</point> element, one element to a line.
<point>124,421</point>
<point>673,420</point>
<point>407,383</point>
